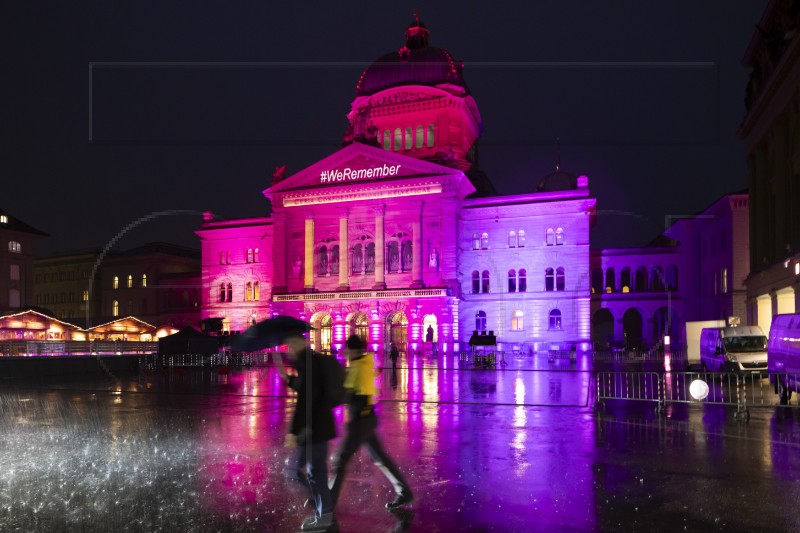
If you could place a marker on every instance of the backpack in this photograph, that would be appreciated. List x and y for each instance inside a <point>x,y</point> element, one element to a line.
<point>333,375</point>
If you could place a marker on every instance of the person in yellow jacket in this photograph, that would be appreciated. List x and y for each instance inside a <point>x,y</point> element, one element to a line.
<point>360,382</point>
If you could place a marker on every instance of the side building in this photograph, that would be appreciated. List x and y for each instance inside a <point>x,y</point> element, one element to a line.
<point>17,242</point>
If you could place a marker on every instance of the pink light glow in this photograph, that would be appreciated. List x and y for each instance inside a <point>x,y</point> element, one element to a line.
<point>416,332</point>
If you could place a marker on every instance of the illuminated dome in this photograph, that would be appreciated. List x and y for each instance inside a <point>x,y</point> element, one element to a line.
<point>416,63</point>
<point>558,181</point>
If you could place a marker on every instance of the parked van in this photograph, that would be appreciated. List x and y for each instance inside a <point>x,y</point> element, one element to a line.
<point>740,349</point>
<point>784,355</point>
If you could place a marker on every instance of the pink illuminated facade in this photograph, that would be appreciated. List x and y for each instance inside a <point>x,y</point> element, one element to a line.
<point>398,236</point>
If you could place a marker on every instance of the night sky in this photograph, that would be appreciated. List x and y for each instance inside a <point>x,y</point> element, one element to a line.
<point>189,106</point>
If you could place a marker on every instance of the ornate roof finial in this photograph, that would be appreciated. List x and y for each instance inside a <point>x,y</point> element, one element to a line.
<point>558,153</point>
<point>417,33</point>
<point>417,13</point>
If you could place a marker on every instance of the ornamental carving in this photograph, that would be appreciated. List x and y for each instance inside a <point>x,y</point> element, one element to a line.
<point>402,97</point>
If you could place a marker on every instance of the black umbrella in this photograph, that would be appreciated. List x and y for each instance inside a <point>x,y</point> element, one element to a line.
<point>268,333</point>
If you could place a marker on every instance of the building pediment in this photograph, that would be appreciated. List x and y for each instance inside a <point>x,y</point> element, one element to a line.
<point>360,166</point>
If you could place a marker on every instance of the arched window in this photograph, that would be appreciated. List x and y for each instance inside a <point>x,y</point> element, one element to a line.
<point>559,236</point>
<point>334,260</point>
<point>228,258</point>
<point>249,256</point>
<point>476,241</point>
<point>549,279</point>
<point>144,280</point>
<point>357,259</point>
<point>398,139</point>
<point>369,258</point>
<point>672,278</point>
<point>640,283</point>
<point>116,282</point>
<point>555,319</point>
<point>409,138</point>
<point>522,281</point>
<point>394,256</point>
<point>322,260</point>
<point>476,282</point>
<point>549,237</point>
<point>611,280</point>
<point>256,291</point>
<point>221,292</point>
<point>517,321</point>
<point>512,239</point>
<point>387,140</point>
<point>521,238</point>
<point>14,246</point>
<point>255,255</point>
<point>512,280</point>
<point>420,136</point>
<point>484,241</point>
<point>560,282</point>
<point>597,280</point>
<point>229,296</point>
<point>130,308</point>
<point>130,281</point>
<point>222,258</point>
<point>480,321</point>
<point>429,142</point>
<point>248,292</point>
<point>485,281</point>
<point>407,256</point>
<point>115,308</point>
<point>657,279</point>
<point>625,279</point>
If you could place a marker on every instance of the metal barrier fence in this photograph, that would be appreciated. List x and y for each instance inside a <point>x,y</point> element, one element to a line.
<point>741,391</point>
<point>22,347</point>
<point>634,355</point>
<point>230,359</point>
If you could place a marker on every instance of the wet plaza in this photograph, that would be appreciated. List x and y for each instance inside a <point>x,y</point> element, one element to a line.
<point>517,448</point>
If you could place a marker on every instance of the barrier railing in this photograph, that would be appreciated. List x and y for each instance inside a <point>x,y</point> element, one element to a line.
<point>25,347</point>
<point>639,386</point>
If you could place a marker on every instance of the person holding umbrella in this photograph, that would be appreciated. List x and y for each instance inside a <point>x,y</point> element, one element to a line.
<point>319,386</point>
<point>360,384</point>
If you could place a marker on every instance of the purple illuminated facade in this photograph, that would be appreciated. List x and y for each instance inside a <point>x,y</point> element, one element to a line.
<point>400,238</point>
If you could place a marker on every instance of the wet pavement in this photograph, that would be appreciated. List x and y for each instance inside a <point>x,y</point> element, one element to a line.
<point>518,448</point>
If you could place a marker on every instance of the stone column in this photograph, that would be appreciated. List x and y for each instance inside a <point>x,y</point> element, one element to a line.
<point>344,251</point>
<point>416,245</point>
<point>380,248</point>
<point>308,263</point>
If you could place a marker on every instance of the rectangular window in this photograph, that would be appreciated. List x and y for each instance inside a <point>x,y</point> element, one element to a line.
<point>14,272</point>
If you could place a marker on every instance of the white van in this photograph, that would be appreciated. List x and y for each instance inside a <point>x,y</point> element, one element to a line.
<point>784,355</point>
<point>740,349</point>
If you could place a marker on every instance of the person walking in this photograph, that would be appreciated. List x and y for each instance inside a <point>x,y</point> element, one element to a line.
<point>394,355</point>
<point>360,383</point>
<point>319,386</point>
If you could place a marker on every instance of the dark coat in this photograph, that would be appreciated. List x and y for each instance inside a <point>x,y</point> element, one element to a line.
<point>313,413</point>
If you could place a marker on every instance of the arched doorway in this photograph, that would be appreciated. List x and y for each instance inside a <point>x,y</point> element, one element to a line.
<point>430,329</point>
<point>322,334</point>
<point>632,328</point>
<point>358,325</point>
<point>397,330</point>
<point>602,329</point>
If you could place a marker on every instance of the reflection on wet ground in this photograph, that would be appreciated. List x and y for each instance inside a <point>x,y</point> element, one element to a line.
<point>514,449</point>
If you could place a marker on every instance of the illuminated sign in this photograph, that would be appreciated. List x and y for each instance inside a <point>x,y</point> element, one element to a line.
<point>350,174</point>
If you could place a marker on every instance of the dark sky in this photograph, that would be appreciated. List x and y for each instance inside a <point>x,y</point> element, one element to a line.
<point>645,97</point>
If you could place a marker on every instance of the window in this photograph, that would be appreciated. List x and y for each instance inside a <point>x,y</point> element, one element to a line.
<point>555,319</point>
<point>560,279</point>
<point>357,260</point>
<point>229,295</point>
<point>641,279</point>
<point>559,236</point>
<point>429,143</point>
<point>369,258</point>
<point>130,281</point>
<point>221,292</point>
<point>672,278</point>
<point>480,321</point>
<point>484,241</point>
<point>227,258</point>
<point>394,256</point>
<point>512,280</point>
<point>476,241</point>
<point>398,139</point>
<point>522,282</point>
<point>14,298</point>
<point>420,136</point>
<point>255,255</point>
<point>476,282</point>
<point>387,140</point>
<point>116,282</point>
<point>549,237</point>
<point>409,138</point>
<point>714,285</point>
<point>14,246</point>
<point>14,272</point>
<point>512,239</point>
<point>85,296</point>
<point>248,258</point>
<point>3,219</point>
<point>549,279</point>
<point>521,238</point>
<point>248,292</point>
<point>130,307</point>
<point>625,279</point>
<point>256,291</point>
<point>115,308</point>
<point>611,281</point>
<point>144,280</point>
<point>724,281</point>
<point>322,260</point>
<point>517,321</point>
<point>485,281</point>
<point>407,256</point>
<point>222,258</point>
<point>657,279</point>
<point>334,260</point>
